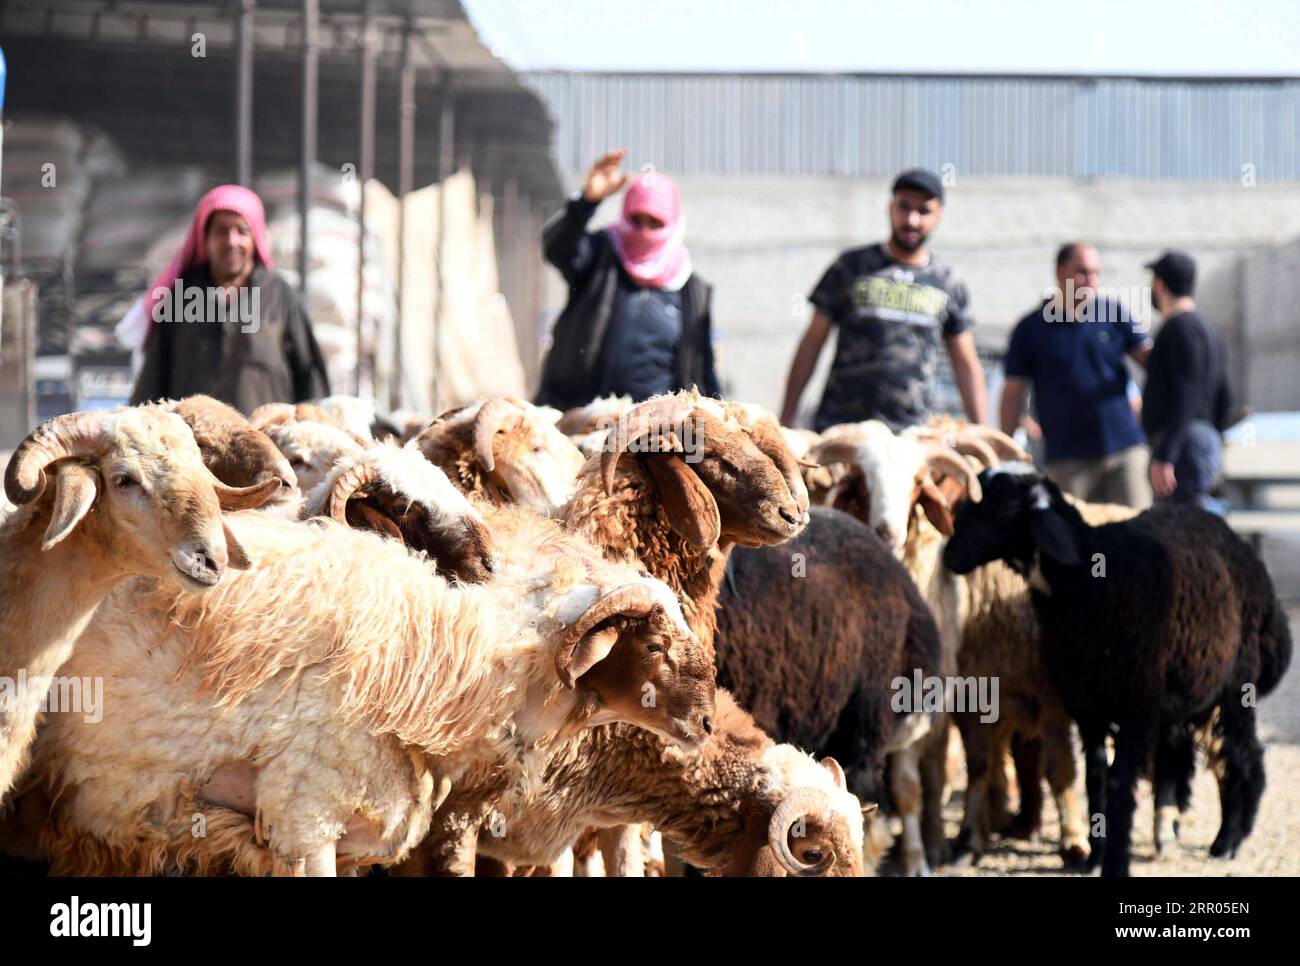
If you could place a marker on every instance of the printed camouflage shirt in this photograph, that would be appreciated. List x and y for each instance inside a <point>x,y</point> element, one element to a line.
<point>890,318</point>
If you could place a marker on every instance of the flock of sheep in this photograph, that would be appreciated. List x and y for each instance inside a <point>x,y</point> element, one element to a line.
<point>515,641</point>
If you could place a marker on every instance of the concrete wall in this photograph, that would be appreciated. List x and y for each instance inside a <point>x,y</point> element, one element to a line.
<point>765,240</point>
<point>1271,326</point>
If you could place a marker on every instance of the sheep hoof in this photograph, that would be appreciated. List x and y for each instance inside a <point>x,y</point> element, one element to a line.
<point>967,859</point>
<point>1022,827</point>
<point>915,866</point>
<point>1094,859</point>
<point>1225,847</point>
<point>1075,857</point>
<point>938,854</point>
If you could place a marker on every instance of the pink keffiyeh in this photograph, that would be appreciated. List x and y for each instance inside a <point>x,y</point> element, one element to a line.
<point>653,258</point>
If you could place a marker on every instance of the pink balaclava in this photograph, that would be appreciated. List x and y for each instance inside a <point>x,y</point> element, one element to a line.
<point>194,251</point>
<point>653,258</point>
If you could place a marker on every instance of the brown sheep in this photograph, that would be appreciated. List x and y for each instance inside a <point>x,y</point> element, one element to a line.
<point>730,808</point>
<point>235,451</point>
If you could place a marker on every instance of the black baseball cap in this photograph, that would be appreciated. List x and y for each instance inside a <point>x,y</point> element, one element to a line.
<point>1177,270</point>
<point>921,180</point>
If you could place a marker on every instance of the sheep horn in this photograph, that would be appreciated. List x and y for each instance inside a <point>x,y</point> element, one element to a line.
<point>346,484</point>
<point>1002,444</point>
<point>970,445</point>
<point>796,805</point>
<point>835,451</point>
<point>847,432</point>
<point>944,459</point>
<point>640,421</point>
<point>76,434</point>
<point>244,497</point>
<point>492,416</point>
<point>632,600</point>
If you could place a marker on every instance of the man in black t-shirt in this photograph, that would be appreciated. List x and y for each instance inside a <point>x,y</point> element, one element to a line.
<point>1188,401</point>
<point>892,303</point>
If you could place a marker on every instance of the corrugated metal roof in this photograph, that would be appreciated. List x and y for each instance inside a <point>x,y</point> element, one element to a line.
<point>872,126</point>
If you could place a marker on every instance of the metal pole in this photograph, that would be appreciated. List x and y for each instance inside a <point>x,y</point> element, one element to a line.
<point>310,48</point>
<point>244,92</point>
<point>446,167</point>
<point>405,176</point>
<point>369,41</point>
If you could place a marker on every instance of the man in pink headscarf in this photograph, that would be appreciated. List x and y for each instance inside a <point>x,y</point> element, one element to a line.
<point>219,320</point>
<point>637,321</point>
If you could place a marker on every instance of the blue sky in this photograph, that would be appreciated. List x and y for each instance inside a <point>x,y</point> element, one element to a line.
<point>1142,37</point>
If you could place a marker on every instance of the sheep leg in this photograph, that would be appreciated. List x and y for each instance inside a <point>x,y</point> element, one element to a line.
<point>323,863</point>
<point>1094,776</point>
<point>621,848</point>
<point>981,744</point>
<point>1175,763</point>
<point>934,780</point>
<point>1243,775</point>
<point>1060,771</point>
<point>905,783</point>
<point>999,792</point>
<point>1133,747</point>
<point>1026,752</point>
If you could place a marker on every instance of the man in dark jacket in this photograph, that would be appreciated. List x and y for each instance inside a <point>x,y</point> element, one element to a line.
<point>637,321</point>
<point>1188,400</point>
<point>222,322</point>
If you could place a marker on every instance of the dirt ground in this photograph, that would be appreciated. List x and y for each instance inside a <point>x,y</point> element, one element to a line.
<point>1274,846</point>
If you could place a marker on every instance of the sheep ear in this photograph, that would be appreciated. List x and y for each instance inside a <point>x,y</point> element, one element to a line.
<point>590,650</point>
<point>77,487</point>
<point>837,772</point>
<point>236,556</point>
<point>692,511</point>
<point>363,516</point>
<point>1054,536</point>
<point>934,505</point>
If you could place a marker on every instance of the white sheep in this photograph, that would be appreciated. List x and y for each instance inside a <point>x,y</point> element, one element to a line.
<point>310,438</point>
<point>322,739</point>
<point>130,495</point>
<point>506,451</point>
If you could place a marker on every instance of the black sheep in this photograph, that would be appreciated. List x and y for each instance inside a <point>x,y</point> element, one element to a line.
<point>1148,625</point>
<point>812,657</point>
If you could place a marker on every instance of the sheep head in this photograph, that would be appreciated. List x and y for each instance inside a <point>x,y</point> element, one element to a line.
<point>232,449</point>
<point>135,482</point>
<point>515,447</point>
<point>632,652</point>
<point>310,445</point>
<point>398,493</point>
<point>891,476</point>
<point>715,476</point>
<point>806,822</point>
<point>1022,512</point>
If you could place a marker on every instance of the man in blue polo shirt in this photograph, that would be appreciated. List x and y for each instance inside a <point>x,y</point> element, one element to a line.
<point>1071,350</point>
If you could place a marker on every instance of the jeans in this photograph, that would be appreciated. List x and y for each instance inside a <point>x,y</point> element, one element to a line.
<point>1197,467</point>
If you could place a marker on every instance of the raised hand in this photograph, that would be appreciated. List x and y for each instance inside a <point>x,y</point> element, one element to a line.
<point>605,178</point>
